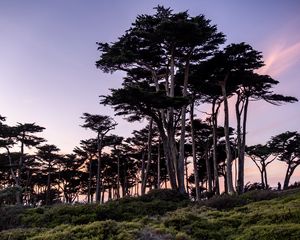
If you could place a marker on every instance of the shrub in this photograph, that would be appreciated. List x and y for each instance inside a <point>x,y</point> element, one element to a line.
<point>259,195</point>
<point>164,195</point>
<point>271,232</point>
<point>224,202</point>
<point>19,233</point>
<point>10,216</point>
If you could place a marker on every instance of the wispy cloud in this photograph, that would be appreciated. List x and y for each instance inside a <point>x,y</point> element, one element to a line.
<point>282,56</point>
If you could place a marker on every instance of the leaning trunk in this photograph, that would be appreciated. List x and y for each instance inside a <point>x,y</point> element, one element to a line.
<point>289,173</point>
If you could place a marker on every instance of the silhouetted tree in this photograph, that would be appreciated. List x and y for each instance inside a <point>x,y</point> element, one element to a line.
<point>262,156</point>
<point>149,52</point>
<point>101,125</point>
<point>287,146</point>
<point>48,155</point>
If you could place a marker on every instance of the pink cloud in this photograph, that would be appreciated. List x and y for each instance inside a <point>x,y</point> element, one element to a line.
<point>281,58</point>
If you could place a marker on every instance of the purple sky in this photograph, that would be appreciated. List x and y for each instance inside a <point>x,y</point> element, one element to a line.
<point>48,52</point>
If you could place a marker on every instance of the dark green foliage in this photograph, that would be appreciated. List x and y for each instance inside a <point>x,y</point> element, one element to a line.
<point>271,232</point>
<point>259,195</point>
<point>225,202</point>
<point>164,195</point>
<point>106,230</point>
<point>157,202</point>
<point>10,216</point>
<point>8,195</point>
<point>20,233</point>
<point>60,214</point>
<point>165,218</point>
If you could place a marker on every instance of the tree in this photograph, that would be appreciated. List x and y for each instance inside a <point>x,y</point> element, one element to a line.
<point>48,155</point>
<point>262,156</point>
<point>101,125</point>
<point>70,176</point>
<point>150,52</point>
<point>287,147</point>
<point>88,151</point>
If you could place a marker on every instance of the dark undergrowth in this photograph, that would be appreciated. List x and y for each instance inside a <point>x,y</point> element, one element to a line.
<point>162,214</point>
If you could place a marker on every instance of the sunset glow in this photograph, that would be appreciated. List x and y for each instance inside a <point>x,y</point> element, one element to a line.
<point>48,53</point>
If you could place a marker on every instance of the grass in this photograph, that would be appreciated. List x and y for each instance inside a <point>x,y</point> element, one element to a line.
<point>165,215</point>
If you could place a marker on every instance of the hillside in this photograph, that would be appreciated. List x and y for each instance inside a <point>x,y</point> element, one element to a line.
<point>161,215</point>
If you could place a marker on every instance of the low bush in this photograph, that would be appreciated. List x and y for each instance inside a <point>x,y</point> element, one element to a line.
<point>271,232</point>
<point>259,195</point>
<point>10,216</point>
<point>224,202</point>
<point>164,195</point>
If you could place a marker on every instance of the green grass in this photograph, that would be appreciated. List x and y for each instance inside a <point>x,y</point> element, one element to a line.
<point>257,215</point>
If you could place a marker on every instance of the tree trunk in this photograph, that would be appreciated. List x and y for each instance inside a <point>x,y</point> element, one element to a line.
<point>262,179</point>
<point>182,134</point>
<point>266,177</point>
<point>90,180</point>
<point>215,162</point>
<point>289,173</point>
<point>118,176</point>
<point>238,112</point>
<point>243,147</point>
<point>144,180</point>
<point>158,164</point>
<point>241,137</point>
<point>98,187</point>
<point>227,139</point>
<point>194,154</point>
<point>208,170</point>
<point>168,156</point>
<point>143,172</point>
<point>48,185</point>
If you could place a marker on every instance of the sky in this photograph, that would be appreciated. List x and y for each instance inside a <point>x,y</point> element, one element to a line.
<point>48,52</point>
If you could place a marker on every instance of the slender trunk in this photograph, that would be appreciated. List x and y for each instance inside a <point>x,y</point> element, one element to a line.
<point>182,135</point>
<point>48,185</point>
<point>242,153</point>
<point>19,169</point>
<point>186,175</point>
<point>144,180</point>
<point>194,154</point>
<point>225,183</point>
<point>90,180</point>
<point>103,192</point>
<point>98,187</point>
<point>239,142</point>
<point>143,172</point>
<point>172,149</point>
<point>158,164</point>
<point>266,177</point>
<point>118,176</point>
<point>262,179</point>
<point>215,162</point>
<point>208,170</point>
<point>227,139</point>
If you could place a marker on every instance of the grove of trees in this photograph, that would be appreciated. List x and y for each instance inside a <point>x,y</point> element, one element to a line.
<point>172,62</point>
